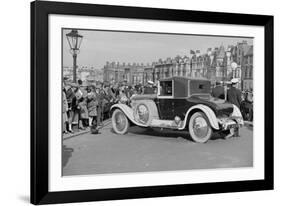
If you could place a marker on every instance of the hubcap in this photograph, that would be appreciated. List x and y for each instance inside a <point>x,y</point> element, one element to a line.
<point>120,121</point>
<point>200,127</point>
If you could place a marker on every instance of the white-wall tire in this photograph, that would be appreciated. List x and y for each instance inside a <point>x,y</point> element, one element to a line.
<point>120,122</point>
<point>199,127</point>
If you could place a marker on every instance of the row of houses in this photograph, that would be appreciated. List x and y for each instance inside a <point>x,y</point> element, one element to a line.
<point>85,73</point>
<point>216,64</point>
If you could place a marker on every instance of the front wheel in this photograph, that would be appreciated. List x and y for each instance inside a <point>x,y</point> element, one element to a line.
<point>199,127</point>
<point>120,122</point>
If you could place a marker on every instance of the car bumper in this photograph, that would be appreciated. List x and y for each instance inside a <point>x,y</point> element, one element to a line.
<point>233,122</point>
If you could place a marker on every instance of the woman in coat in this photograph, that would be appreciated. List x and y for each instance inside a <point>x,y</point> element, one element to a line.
<point>81,96</point>
<point>64,112</point>
<point>71,101</point>
<point>92,104</point>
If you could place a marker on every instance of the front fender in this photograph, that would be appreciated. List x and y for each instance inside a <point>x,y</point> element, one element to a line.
<point>128,112</point>
<point>207,111</point>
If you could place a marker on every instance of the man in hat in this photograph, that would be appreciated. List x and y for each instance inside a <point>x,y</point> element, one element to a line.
<point>71,89</point>
<point>92,104</point>
<point>64,110</point>
<point>100,98</point>
<point>72,103</point>
<point>149,89</point>
<point>84,115</point>
<point>234,94</point>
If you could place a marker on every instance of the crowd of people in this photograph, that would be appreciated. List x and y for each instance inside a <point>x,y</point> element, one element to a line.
<point>231,93</point>
<point>87,105</point>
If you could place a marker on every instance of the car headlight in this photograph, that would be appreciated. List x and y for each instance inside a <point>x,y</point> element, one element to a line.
<point>142,113</point>
<point>177,120</point>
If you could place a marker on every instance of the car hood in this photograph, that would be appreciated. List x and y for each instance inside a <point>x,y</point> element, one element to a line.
<point>143,96</point>
<point>219,106</point>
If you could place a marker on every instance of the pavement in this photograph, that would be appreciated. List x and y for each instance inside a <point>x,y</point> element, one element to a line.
<point>87,130</point>
<point>143,150</point>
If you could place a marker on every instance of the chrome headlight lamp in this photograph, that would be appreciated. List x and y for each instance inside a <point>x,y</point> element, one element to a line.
<point>177,120</point>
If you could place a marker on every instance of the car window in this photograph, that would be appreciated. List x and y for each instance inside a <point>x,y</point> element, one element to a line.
<point>166,88</point>
<point>200,87</point>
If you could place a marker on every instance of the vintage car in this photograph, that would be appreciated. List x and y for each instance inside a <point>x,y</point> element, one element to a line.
<point>180,104</point>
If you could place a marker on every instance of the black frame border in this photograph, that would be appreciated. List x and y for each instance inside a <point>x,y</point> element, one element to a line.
<point>39,102</point>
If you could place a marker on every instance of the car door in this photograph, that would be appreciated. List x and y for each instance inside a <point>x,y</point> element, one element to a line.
<point>180,107</point>
<point>165,108</point>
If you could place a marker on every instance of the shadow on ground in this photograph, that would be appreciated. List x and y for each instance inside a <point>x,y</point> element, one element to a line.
<point>249,126</point>
<point>168,133</point>
<point>66,154</point>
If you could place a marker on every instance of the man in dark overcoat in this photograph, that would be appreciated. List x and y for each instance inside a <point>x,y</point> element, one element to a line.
<point>234,94</point>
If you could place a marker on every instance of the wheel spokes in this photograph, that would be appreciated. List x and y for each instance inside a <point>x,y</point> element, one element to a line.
<point>120,121</point>
<point>200,127</point>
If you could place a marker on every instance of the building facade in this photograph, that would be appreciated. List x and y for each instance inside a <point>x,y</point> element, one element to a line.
<point>248,70</point>
<point>85,73</point>
<point>132,73</point>
<point>216,64</point>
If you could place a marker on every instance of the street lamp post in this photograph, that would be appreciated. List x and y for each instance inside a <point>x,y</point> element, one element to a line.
<point>234,68</point>
<point>74,40</point>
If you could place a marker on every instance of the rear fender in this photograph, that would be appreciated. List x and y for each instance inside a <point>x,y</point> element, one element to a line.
<point>128,112</point>
<point>236,114</point>
<point>207,111</point>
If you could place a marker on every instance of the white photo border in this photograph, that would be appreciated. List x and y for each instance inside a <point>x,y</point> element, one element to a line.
<point>57,182</point>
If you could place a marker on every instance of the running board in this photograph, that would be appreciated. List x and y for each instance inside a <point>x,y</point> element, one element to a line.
<point>165,124</point>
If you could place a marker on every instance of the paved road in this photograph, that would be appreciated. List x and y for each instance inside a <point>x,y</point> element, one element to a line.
<point>152,150</point>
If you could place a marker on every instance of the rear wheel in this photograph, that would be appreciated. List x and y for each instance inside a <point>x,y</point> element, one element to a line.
<point>199,127</point>
<point>120,122</point>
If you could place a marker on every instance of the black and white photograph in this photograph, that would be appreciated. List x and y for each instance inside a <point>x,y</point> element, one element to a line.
<point>141,102</point>
<point>136,102</point>
<point>154,102</point>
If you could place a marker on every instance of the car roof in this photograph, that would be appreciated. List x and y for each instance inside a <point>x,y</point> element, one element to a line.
<point>181,84</point>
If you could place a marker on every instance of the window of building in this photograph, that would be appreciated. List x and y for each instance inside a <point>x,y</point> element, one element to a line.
<point>184,72</point>
<point>251,73</point>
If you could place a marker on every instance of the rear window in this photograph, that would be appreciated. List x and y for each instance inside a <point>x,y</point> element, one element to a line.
<point>166,88</point>
<point>200,87</point>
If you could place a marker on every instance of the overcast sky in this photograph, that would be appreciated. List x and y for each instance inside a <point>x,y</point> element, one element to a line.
<point>100,46</point>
